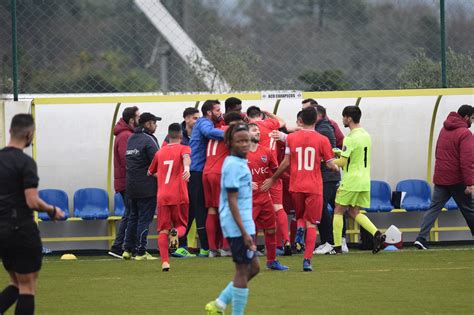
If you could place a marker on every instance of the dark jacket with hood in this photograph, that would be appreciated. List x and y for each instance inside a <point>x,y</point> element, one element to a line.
<point>454,153</point>
<point>141,149</point>
<point>122,132</point>
<point>325,128</point>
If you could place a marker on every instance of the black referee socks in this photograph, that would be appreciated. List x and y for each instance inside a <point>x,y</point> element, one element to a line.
<point>7,297</point>
<point>25,305</point>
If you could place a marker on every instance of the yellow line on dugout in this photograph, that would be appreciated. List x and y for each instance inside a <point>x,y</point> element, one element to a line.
<point>244,96</point>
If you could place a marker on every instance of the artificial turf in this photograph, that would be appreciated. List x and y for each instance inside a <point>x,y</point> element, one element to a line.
<point>403,282</point>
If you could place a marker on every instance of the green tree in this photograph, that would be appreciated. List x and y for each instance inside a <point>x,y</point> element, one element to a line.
<point>423,72</point>
<point>236,65</point>
<point>328,80</point>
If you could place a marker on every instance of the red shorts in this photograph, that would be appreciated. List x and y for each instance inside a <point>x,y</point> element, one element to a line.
<point>264,215</point>
<point>172,216</point>
<point>276,192</point>
<point>211,183</point>
<point>308,206</point>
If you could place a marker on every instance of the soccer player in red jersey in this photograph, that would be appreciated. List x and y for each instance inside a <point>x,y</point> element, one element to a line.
<point>304,151</point>
<point>216,153</point>
<point>262,163</point>
<point>171,166</point>
<point>267,126</point>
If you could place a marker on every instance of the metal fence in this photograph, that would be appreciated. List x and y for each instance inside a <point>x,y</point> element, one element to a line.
<point>99,46</point>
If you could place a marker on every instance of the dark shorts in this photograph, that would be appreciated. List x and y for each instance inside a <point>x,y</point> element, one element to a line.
<point>240,253</point>
<point>20,248</point>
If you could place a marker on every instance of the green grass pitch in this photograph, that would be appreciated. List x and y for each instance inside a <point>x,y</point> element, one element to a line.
<point>405,282</point>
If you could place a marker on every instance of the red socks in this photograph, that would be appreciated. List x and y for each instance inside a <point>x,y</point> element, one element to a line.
<point>270,246</point>
<point>300,223</point>
<point>211,230</point>
<point>282,227</point>
<point>310,242</point>
<point>163,246</point>
<point>225,244</point>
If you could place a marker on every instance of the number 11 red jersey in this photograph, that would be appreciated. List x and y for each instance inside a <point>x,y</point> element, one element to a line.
<point>169,168</point>
<point>307,148</point>
<point>216,152</point>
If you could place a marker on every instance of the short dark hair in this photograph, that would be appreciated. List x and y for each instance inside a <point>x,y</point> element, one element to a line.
<point>129,113</point>
<point>190,111</point>
<point>308,116</point>
<point>466,110</point>
<point>231,103</point>
<point>174,131</point>
<point>353,112</point>
<point>208,106</point>
<point>231,116</point>
<point>21,124</point>
<point>321,110</point>
<point>253,111</point>
<point>311,101</point>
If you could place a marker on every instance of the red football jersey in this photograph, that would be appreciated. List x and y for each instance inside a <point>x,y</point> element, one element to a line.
<point>262,163</point>
<point>216,152</point>
<point>307,148</point>
<point>168,164</point>
<point>266,127</point>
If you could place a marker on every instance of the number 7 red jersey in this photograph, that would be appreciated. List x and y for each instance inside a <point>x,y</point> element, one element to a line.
<point>307,148</point>
<point>169,168</point>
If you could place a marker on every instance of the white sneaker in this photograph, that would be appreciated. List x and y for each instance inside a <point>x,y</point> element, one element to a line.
<point>212,253</point>
<point>323,249</point>
<point>225,253</point>
<point>344,247</point>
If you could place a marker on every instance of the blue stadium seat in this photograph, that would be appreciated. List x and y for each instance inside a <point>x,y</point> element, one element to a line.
<point>451,204</point>
<point>91,204</point>
<point>380,197</point>
<point>55,197</point>
<point>418,194</point>
<point>119,207</point>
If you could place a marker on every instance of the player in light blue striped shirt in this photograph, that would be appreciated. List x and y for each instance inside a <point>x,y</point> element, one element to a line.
<point>235,213</point>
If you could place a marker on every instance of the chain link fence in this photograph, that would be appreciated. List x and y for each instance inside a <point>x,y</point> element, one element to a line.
<point>100,46</point>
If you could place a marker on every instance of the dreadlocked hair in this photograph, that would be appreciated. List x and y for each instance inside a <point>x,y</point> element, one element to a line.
<point>229,133</point>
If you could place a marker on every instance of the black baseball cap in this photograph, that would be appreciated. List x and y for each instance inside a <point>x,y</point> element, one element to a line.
<point>147,117</point>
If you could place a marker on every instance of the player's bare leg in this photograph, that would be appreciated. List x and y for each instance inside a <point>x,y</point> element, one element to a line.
<point>365,222</point>
<point>27,287</point>
<point>10,294</point>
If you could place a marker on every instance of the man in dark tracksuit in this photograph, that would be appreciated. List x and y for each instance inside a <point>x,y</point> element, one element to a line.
<point>141,189</point>
<point>330,184</point>
<point>122,131</point>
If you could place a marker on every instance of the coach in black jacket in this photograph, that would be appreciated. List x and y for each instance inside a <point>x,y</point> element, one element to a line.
<point>141,189</point>
<point>330,184</point>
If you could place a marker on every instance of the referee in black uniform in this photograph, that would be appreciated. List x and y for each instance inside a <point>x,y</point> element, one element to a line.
<point>20,242</point>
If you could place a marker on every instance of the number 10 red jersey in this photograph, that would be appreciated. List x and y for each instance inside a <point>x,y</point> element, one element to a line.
<point>307,148</point>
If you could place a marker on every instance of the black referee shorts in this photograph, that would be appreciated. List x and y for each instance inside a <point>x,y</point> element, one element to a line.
<point>20,247</point>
